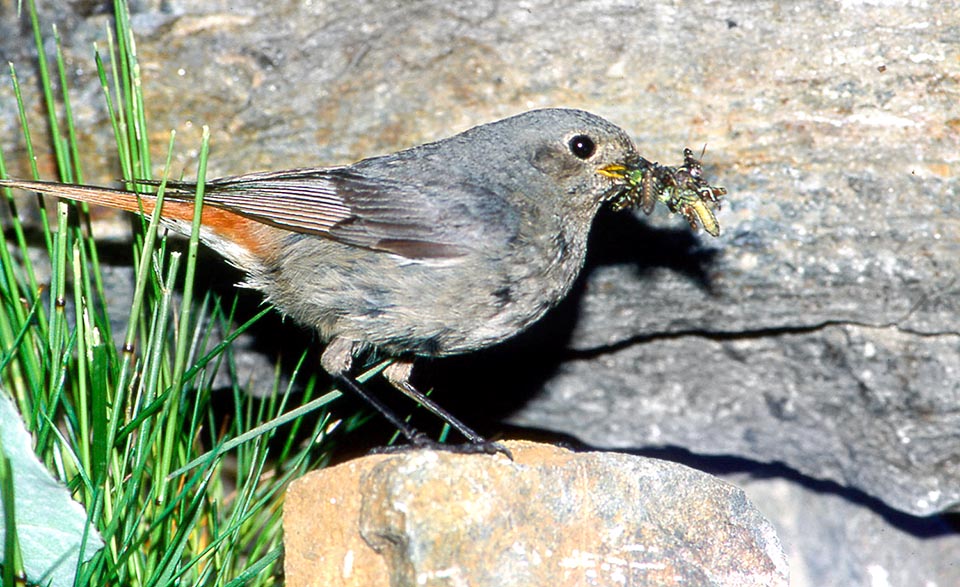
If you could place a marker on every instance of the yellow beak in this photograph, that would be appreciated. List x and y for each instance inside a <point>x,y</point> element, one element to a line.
<point>614,170</point>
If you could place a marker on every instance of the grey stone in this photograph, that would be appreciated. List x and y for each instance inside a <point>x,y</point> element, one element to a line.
<point>823,325</point>
<point>820,330</point>
<point>871,407</point>
<point>833,537</point>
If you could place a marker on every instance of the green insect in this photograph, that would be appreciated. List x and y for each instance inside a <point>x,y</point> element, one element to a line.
<point>682,189</point>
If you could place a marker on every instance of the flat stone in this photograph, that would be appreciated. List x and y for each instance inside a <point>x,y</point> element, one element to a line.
<point>833,404</point>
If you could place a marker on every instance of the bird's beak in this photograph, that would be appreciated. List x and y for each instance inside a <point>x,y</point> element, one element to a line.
<point>614,170</point>
<point>617,192</point>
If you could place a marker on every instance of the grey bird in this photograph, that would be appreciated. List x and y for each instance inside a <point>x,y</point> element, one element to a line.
<point>437,250</point>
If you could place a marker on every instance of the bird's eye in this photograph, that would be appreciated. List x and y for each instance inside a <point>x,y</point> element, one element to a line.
<point>582,146</point>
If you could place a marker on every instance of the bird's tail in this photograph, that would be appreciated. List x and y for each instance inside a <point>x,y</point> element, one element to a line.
<point>241,240</point>
<point>113,198</point>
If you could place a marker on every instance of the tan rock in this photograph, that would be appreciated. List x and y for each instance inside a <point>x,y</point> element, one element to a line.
<point>550,517</point>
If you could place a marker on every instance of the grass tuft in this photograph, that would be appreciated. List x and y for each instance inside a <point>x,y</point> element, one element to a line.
<point>180,494</point>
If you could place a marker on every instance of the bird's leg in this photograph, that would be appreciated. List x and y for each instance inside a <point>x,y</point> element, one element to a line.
<point>398,374</point>
<point>336,360</point>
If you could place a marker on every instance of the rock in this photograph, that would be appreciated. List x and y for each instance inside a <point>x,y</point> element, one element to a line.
<point>820,330</point>
<point>834,536</point>
<point>551,517</point>
<point>835,403</point>
<point>832,288</point>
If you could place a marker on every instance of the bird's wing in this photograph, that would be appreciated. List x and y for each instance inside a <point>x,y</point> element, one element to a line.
<point>412,220</point>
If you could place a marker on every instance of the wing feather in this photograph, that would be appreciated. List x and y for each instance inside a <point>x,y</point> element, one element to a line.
<point>399,217</point>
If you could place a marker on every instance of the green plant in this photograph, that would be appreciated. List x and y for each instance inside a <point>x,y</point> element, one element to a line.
<point>179,494</point>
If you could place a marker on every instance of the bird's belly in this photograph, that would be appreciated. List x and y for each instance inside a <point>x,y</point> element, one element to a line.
<point>404,307</point>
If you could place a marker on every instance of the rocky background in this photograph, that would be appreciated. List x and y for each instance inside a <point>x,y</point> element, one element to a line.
<point>811,354</point>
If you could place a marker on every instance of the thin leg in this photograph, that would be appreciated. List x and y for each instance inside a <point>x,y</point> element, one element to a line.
<point>398,374</point>
<point>337,359</point>
<point>413,435</point>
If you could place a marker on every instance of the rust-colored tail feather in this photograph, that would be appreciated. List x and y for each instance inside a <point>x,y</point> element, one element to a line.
<point>223,224</point>
<point>112,198</point>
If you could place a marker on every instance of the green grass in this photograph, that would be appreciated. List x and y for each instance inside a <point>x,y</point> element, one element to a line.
<point>180,494</point>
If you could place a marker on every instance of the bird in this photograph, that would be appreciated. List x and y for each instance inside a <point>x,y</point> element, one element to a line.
<point>437,250</point>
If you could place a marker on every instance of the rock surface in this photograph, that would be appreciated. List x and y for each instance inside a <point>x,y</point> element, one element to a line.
<point>834,127</point>
<point>869,407</point>
<point>821,330</point>
<point>834,537</point>
<point>551,517</point>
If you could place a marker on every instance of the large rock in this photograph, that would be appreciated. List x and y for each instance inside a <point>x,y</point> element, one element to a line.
<point>820,330</point>
<point>870,407</point>
<point>551,517</point>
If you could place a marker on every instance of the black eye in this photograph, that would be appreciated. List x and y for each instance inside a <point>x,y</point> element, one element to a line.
<point>582,146</point>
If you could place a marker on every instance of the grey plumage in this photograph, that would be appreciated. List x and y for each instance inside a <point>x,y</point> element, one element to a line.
<point>441,249</point>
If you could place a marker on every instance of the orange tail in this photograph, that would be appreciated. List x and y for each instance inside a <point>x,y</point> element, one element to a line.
<point>120,199</point>
<point>226,227</point>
